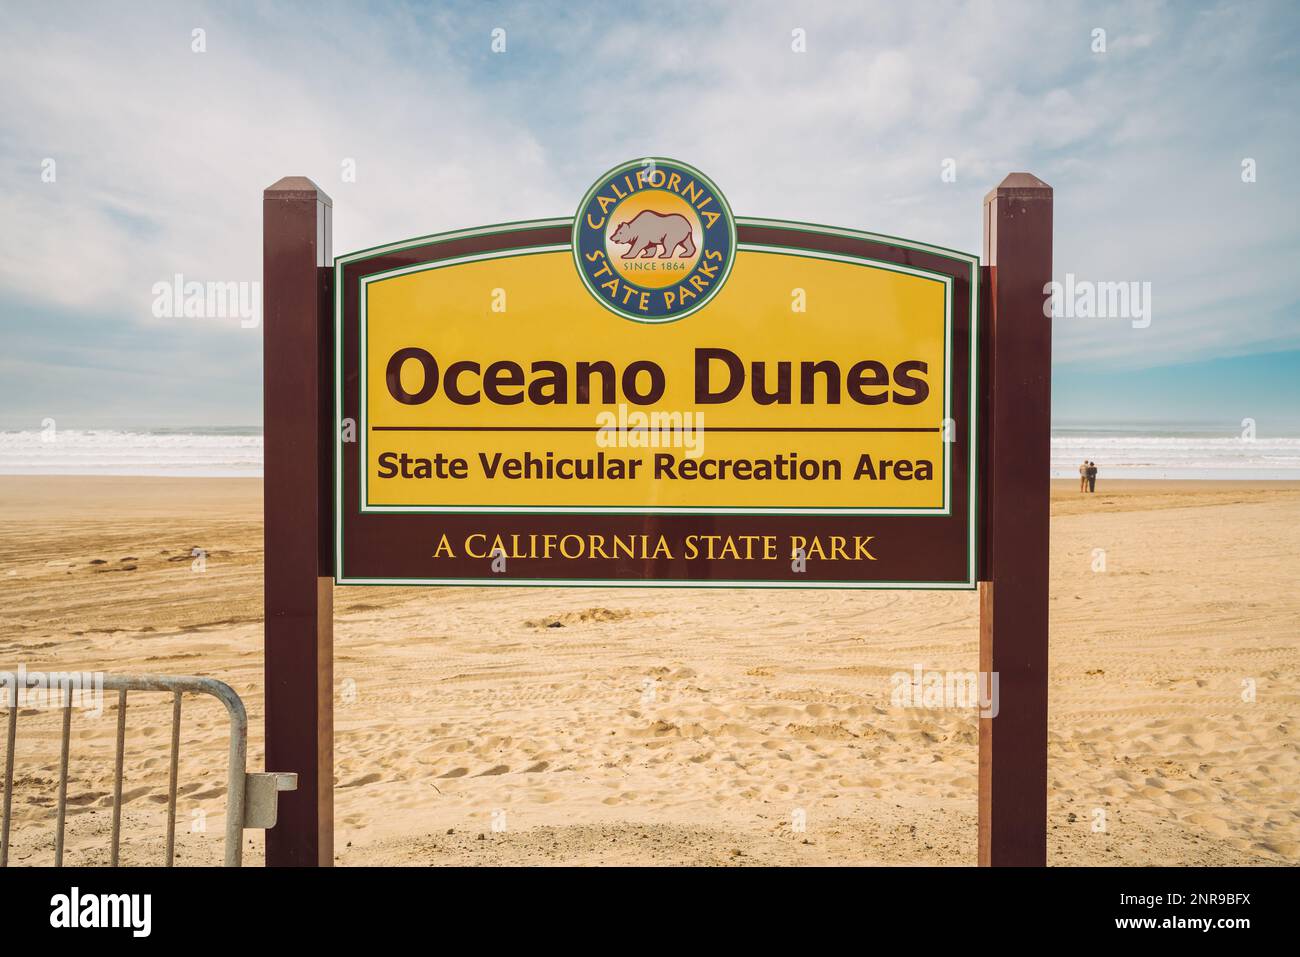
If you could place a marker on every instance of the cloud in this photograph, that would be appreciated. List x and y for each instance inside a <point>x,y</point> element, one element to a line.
<point>162,152</point>
<point>1143,145</point>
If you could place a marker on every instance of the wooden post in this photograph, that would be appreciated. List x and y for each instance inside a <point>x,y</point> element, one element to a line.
<point>1013,594</point>
<point>298,426</point>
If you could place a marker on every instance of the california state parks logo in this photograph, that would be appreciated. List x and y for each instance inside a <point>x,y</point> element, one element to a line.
<point>654,240</point>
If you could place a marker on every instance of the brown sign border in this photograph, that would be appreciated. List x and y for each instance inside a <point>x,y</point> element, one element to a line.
<point>396,548</point>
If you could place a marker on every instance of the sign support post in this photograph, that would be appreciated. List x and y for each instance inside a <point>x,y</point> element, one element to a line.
<point>298,417</point>
<point>1014,582</point>
<point>1011,488</point>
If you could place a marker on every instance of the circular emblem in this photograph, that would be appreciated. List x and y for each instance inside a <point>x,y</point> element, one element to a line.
<point>654,240</point>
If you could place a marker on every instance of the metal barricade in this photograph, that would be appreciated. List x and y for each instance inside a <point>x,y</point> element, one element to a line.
<point>251,798</point>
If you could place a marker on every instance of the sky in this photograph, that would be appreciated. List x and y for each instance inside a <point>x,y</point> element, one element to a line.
<point>161,152</point>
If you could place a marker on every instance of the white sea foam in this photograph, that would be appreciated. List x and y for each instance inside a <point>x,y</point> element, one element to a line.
<point>1176,455</point>
<point>114,452</point>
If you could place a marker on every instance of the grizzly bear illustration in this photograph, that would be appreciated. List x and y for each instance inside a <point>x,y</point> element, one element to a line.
<point>648,230</point>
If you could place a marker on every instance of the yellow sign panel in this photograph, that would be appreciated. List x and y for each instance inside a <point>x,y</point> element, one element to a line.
<point>813,383</point>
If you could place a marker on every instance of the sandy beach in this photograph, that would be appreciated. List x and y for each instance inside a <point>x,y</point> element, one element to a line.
<point>675,727</point>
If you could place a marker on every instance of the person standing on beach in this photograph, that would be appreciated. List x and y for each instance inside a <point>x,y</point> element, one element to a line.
<point>1083,476</point>
<point>1092,476</point>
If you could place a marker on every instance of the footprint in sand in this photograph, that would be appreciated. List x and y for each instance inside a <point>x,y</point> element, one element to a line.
<point>1284,848</point>
<point>85,798</point>
<point>106,800</point>
<point>579,617</point>
<point>1210,824</point>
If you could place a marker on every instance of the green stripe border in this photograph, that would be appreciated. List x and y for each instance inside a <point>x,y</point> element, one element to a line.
<point>969,260</point>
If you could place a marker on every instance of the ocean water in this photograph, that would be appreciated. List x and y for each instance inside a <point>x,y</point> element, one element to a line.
<point>1186,453</point>
<point>210,452</point>
<point>1119,453</point>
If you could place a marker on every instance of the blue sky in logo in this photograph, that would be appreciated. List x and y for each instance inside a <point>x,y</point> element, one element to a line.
<point>162,154</point>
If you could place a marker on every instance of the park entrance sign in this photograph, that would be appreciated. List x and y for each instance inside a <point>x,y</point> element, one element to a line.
<point>655,392</point>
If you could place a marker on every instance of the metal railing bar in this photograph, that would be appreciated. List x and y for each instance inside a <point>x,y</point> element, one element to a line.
<point>118,762</point>
<point>171,781</point>
<point>9,777</point>
<point>63,776</point>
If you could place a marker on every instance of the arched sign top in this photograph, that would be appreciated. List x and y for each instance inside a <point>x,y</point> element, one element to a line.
<point>790,405</point>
